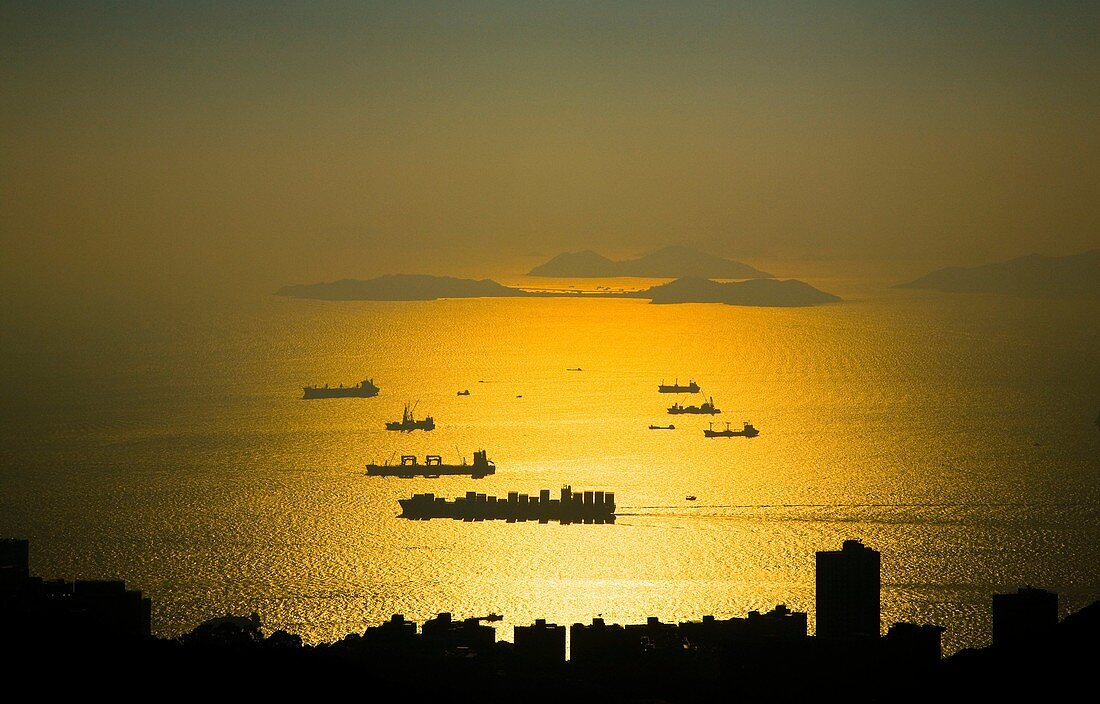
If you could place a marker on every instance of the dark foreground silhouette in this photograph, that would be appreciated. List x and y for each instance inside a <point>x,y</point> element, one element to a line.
<point>93,638</point>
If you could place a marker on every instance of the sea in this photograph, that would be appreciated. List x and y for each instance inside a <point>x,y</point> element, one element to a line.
<point>956,434</point>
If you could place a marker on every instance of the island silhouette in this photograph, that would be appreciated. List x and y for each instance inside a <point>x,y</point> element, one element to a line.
<point>422,287</point>
<point>754,292</point>
<point>401,287</point>
<point>1074,276</point>
<point>665,263</point>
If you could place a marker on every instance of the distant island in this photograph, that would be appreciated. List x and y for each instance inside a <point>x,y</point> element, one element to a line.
<point>401,287</point>
<point>755,292</point>
<point>1076,276</point>
<point>422,287</point>
<point>667,263</point>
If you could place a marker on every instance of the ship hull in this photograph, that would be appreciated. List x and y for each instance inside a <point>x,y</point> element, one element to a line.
<point>312,392</point>
<point>749,431</point>
<point>673,389</point>
<point>430,471</point>
<point>409,427</point>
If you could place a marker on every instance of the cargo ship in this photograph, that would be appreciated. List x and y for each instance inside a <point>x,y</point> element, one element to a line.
<point>706,408</point>
<point>433,467</point>
<point>676,388</point>
<point>569,507</point>
<point>364,389</point>
<point>748,431</point>
<point>409,424</point>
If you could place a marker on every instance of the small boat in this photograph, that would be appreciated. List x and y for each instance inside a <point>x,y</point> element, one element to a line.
<point>464,392</point>
<point>748,431</point>
<point>690,497</point>
<point>574,369</point>
<point>492,617</point>
<point>662,427</point>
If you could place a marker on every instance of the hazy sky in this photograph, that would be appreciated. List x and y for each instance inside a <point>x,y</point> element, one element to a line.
<point>152,147</point>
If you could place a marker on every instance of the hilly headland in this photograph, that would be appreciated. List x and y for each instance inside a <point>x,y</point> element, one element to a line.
<point>1074,276</point>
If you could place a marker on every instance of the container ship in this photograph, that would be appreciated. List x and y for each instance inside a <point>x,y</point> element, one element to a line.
<point>433,467</point>
<point>364,389</point>
<point>569,507</point>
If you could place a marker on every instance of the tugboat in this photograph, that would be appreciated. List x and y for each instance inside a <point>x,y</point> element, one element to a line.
<point>433,467</point>
<point>409,424</point>
<point>364,389</point>
<point>676,388</point>
<point>748,431</point>
<point>662,427</point>
<point>464,392</point>
<point>705,408</point>
<point>492,617</point>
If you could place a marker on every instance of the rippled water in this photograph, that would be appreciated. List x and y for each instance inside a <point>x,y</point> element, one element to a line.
<point>954,434</point>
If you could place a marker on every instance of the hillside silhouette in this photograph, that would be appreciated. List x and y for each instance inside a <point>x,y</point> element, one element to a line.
<point>1075,276</point>
<point>668,262</point>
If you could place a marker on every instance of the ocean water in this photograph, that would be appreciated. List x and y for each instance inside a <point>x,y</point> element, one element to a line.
<point>955,434</point>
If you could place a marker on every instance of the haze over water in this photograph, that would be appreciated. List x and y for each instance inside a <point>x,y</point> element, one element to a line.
<point>954,434</point>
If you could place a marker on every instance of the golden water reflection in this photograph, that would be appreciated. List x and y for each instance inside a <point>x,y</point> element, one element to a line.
<point>943,432</point>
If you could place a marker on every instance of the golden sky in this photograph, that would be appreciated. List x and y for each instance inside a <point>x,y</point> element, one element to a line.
<point>157,147</point>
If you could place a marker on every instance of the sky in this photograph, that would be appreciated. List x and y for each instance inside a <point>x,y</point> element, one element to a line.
<point>153,148</point>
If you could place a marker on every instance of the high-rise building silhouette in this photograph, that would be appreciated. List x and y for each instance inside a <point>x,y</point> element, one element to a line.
<point>848,586</point>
